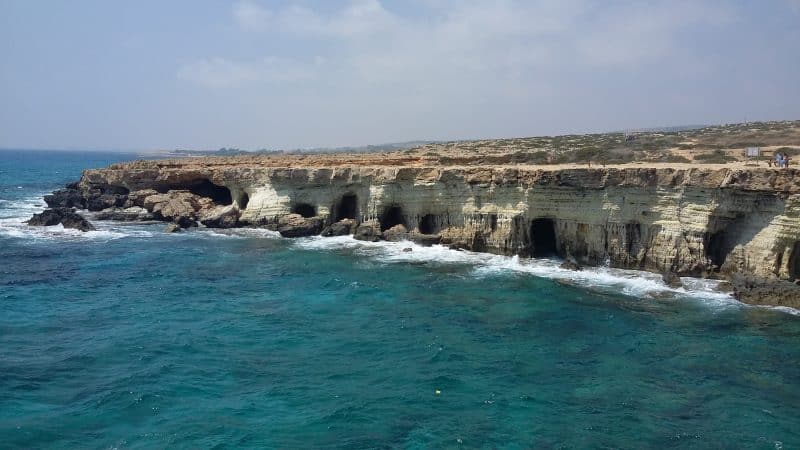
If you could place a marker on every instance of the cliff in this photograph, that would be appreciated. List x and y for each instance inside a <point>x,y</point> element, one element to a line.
<point>718,222</point>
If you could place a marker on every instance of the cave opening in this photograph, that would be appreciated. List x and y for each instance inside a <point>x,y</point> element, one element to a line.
<point>428,224</point>
<point>205,188</point>
<point>794,262</point>
<point>633,237</point>
<point>493,222</point>
<point>391,216</point>
<point>244,199</point>
<point>304,209</point>
<point>716,248</point>
<point>543,238</point>
<point>347,208</point>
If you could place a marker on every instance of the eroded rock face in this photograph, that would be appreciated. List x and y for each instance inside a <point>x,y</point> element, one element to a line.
<point>67,217</point>
<point>692,222</point>
<point>295,225</point>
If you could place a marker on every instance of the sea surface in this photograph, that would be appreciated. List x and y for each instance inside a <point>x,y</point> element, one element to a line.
<point>129,337</point>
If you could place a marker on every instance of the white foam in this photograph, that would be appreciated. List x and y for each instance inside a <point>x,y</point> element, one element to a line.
<point>241,232</point>
<point>14,213</point>
<point>629,282</point>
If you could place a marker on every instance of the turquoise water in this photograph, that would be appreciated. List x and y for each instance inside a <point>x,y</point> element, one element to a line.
<point>129,337</point>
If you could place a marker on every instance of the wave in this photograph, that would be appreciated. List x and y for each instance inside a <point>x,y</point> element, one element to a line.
<point>628,282</point>
<point>14,213</point>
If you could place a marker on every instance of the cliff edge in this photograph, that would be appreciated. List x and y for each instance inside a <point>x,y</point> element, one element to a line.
<point>737,223</point>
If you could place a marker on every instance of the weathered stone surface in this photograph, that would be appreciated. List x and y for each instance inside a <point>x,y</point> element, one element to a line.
<point>343,227</point>
<point>137,198</point>
<point>424,239</point>
<point>67,217</point>
<point>65,198</point>
<point>368,231</point>
<point>132,214</point>
<point>396,233</point>
<point>221,217</point>
<point>295,225</point>
<point>765,291</point>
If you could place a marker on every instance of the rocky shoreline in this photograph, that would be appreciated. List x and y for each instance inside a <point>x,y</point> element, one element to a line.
<point>738,225</point>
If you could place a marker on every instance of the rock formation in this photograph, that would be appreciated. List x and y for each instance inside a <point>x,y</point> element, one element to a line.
<point>67,217</point>
<point>701,222</point>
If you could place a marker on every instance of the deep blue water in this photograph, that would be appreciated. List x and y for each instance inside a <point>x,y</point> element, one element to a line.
<point>133,338</point>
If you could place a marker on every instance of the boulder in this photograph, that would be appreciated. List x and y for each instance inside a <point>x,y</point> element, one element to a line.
<point>396,233</point>
<point>343,227</point>
<point>221,217</point>
<point>295,225</point>
<point>132,214</point>
<point>368,231</point>
<point>424,239</point>
<point>65,216</point>
<point>672,279</point>
<point>765,291</point>
<point>65,198</point>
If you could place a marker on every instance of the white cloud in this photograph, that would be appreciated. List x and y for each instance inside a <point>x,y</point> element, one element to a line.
<point>251,16</point>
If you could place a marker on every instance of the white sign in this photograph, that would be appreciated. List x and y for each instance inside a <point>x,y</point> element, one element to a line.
<point>751,152</point>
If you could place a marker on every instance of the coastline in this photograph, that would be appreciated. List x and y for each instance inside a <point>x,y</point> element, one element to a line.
<point>726,222</point>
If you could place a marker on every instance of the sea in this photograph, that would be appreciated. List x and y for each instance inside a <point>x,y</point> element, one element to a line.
<point>130,337</point>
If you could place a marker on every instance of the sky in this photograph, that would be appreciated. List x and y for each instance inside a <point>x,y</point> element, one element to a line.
<point>252,74</point>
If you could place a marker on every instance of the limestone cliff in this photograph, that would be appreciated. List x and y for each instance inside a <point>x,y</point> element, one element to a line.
<point>691,221</point>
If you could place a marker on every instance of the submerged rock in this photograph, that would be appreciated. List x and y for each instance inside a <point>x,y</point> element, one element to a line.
<point>67,217</point>
<point>343,227</point>
<point>173,228</point>
<point>295,225</point>
<point>368,231</point>
<point>672,279</point>
<point>571,264</point>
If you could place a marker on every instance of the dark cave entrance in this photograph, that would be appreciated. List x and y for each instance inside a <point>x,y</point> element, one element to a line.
<point>633,237</point>
<point>391,216</point>
<point>717,248</point>
<point>204,188</point>
<point>304,209</point>
<point>794,261</point>
<point>347,208</point>
<point>543,238</point>
<point>244,199</point>
<point>428,224</point>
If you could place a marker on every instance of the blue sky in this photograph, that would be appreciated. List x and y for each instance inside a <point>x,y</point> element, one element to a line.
<point>288,74</point>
